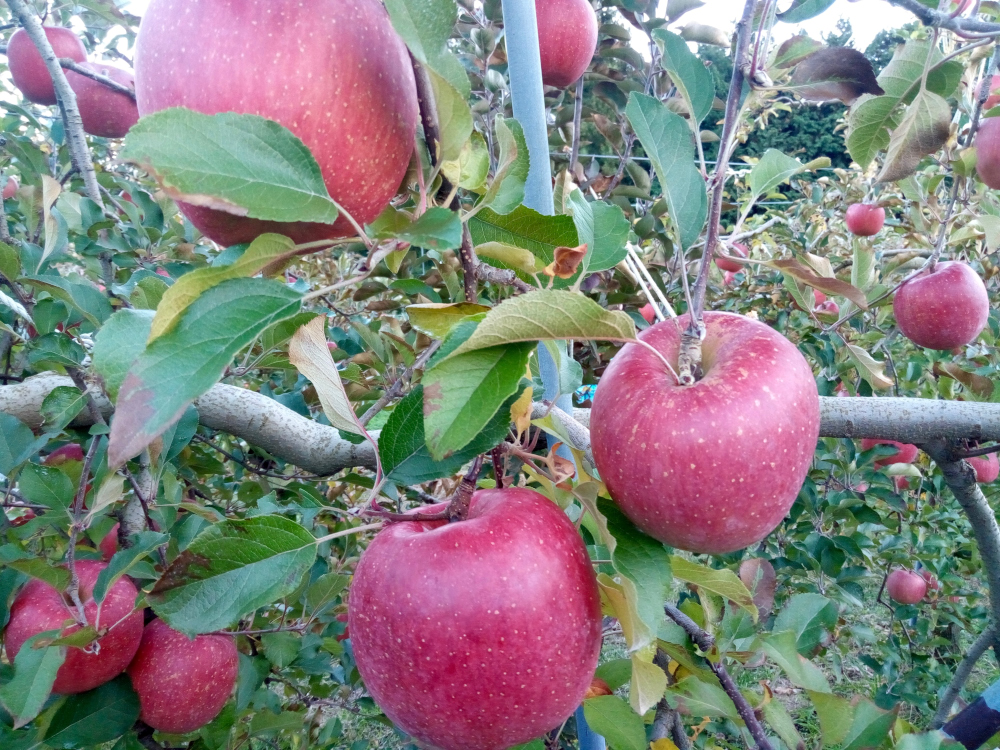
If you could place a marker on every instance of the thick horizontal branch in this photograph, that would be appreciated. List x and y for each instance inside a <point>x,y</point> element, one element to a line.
<point>934,18</point>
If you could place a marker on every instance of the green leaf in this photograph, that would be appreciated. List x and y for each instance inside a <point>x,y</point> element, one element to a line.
<point>17,443</point>
<point>697,698</point>
<point>95,717</point>
<point>870,727</point>
<point>124,560</point>
<point>41,568</point>
<point>180,366</point>
<point>723,582</point>
<point>34,674</point>
<point>463,393</point>
<point>406,460</point>
<point>777,716</point>
<point>238,163</point>
<point>667,140</point>
<point>437,229</point>
<point>924,129</point>
<point>641,559</point>
<point>613,719</point>
<point>771,170</point>
<point>282,647</point>
<point>782,648</point>
<point>869,123</point>
<point>611,230</point>
<point>507,190</point>
<point>266,253</point>
<point>62,406</point>
<point>524,227</point>
<point>230,569</point>
<point>79,294</point>
<point>548,315</point>
<point>803,10</point>
<point>835,716</point>
<point>253,670</point>
<point>688,73</point>
<point>118,344</point>
<point>47,486</point>
<point>616,672</point>
<point>810,617</point>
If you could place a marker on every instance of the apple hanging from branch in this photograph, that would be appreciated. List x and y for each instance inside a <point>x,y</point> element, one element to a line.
<point>944,308</point>
<point>105,113</point>
<point>567,38</point>
<point>906,586</point>
<point>27,67</point>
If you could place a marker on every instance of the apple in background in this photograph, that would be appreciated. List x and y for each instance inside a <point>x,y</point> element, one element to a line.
<point>902,483</point>
<point>906,453</point>
<point>906,586</point>
<point>724,264</point>
<point>827,309</point>
<point>105,113</point>
<point>482,633</point>
<point>109,544</point>
<point>647,313</point>
<point>711,467</point>
<point>988,152</point>
<point>182,683</point>
<point>29,515</point>
<point>567,39</point>
<point>335,73</point>
<point>729,278</point>
<point>993,99</point>
<point>10,188</point>
<point>865,219</point>
<point>943,309</point>
<point>27,67</point>
<point>40,607</point>
<point>933,584</point>
<point>68,452</point>
<point>987,467</point>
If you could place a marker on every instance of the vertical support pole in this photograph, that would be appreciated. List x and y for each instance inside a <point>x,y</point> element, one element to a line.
<point>524,67</point>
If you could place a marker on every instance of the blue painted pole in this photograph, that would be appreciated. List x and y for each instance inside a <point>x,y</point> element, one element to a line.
<point>524,67</point>
<point>978,722</point>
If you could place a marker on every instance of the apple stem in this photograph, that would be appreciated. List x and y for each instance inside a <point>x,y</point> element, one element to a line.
<point>659,356</point>
<point>458,508</point>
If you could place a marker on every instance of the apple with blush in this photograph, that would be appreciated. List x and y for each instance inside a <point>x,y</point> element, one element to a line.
<point>647,313</point>
<point>105,112</point>
<point>942,309</point>
<point>864,219</point>
<point>993,93</point>
<point>906,586</point>
<point>453,627</point>
<point>567,39</point>
<point>987,467</point>
<point>988,151</point>
<point>10,188</point>
<point>905,452</point>
<point>714,466</point>
<point>27,68</point>
<point>725,264</point>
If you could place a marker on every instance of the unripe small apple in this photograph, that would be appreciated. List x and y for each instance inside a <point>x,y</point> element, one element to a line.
<point>182,683</point>
<point>906,453</point>
<point>865,219</point>
<point>906,586</point>
<point>567,39</point>
<point>988,152</point>
<point>987,467</point>
<point>725,264</point>
<point>943,309</point>
<point>105,113</point>
<point>11,188</point>
<point>647,313</point>
<point>27,67</point>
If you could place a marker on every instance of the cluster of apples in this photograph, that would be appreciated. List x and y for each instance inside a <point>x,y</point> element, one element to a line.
<point>105,112</point>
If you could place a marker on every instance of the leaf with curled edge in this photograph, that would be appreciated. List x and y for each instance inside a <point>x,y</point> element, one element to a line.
<point>924,129</point>
<point>870,368</point>
<point>834,73</point>
<point>981,386</point>
<point>807,276</point>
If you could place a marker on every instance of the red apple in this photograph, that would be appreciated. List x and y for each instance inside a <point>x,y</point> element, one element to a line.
<point>482,633</point>
<point>906,586</point>
<point>865,219</point>
<point>335,73</point>
<point>944,309</point>
<point>987,467</point>
<point>105,113</point>
<point>182,683</point>
<point>902,483</point>
<point>109,544</point>
<point>647,313</point>
<point>40,607</point>
<point>27,67</point>
<point>933,584</point>
<point>906,453</point>
<point>714,466</point>
<point>729,278</point>
<point>993,99</point>
<point>567,38</point>
<point>29,515</point>
<point>10,188</point>
<point>738,249</point>
<point>988,152</point>
<point>68,452</point>
<point>827,309</point>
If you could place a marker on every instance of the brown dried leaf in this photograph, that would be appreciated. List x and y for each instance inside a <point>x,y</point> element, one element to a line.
<point>803,273</point>
<point>759,577</point>
<point>567,260</point>
<point>981,386</point>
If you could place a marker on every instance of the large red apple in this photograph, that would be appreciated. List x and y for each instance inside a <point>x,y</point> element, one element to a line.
<point>906,586</point>
<point>905,453</point>
<point>182,683</point>
<point>724,264</point>
<point>988,152</point>
<point>105,113</point>
<point>482,633</point>
<point>864,219</point>
<point>27,67</point>
<point>10,188</point>
<point>944,309</point>
<point>714,466</point>
<point>987,467</point>
<point>567,38</point>
<point>40,607</point>
<point>334,73</point>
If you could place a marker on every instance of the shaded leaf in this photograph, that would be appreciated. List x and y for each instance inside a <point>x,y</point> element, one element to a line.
<point>803,10</point>
<point>688,73</point>
<point>611,717</point>
<point>924,128</point>
<point>793,51</point>
<point>95,717</point>
<point>34,674</point>
<point>723,582</point>
<point>835,73</point>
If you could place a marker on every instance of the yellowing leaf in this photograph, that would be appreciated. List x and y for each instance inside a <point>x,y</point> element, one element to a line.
<point>110,492</point>
<point>923,130</point>
<point>649,682</point>
<point>870,368</point>
<point>663,744</point>
<point>311,356</point>
<point>723,582</point>
<point>520,412</point>
<point>437,318</point>
<point>513,257</point>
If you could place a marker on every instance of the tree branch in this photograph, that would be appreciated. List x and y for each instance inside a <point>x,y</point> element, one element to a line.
<point>936,19</point>
<point>70,64</point>
<point>980,647</point>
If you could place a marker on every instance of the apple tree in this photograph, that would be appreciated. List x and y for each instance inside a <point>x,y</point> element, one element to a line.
<point>295,301</point>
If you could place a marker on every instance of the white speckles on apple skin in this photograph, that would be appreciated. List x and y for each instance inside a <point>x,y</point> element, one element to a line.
<point>756,408</point>
<point>463,649</point>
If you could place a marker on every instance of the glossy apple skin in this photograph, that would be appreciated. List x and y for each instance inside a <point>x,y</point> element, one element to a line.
<point>334,73</point>
<point>987,467</point>
<point>906,453</point>
<point>182,683</point>
<point>105,113</point>
<point>988,152</point>
<point>479,634</point>
<point>27,67</point>
<point>944,309</point>
<point>10,188</point>
<point>865,219</point>
<point>39,607</point>
<point>712,467</point>
<point>906,586</point>
<point>567,38</point>
<point>724,264</point>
